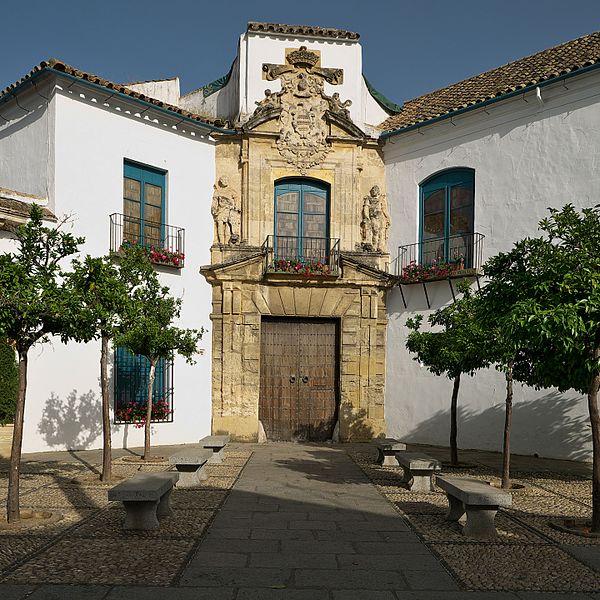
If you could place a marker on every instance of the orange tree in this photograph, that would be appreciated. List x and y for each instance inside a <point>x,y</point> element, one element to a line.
<point>102,289</point>
<point>458,348</point>
<point>546,291</point>
<point>149,330</point>
<point>34,305</point>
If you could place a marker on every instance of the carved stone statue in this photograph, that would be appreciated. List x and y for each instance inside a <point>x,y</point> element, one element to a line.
<point>226,213</point>
<point>375,221</point>
<point>338,107</point>
<point>269,102</point>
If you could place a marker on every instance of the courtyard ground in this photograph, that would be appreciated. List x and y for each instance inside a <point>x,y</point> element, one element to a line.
<point>298,522</point>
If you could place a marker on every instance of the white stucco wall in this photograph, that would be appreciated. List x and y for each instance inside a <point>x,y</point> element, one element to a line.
<point>166,90</point>
<point>26,130</point>
<point>259,48</point>
<point>527,156</point>
<point>223,103</point>
<point>92,141</point>
<point>246,86</point>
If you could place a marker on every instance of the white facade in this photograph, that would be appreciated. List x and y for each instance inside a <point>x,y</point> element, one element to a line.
<point>89,138</point>
<point>246,87</point>
<point>66,142</point>
<point>529,153</point>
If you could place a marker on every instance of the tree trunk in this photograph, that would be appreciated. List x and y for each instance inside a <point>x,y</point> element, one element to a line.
<point>453,423</point>
<point>106,448</point>
<point>149,410</point>
<point>595,423</point>
<point>12,502</point>
<point>507,426</point>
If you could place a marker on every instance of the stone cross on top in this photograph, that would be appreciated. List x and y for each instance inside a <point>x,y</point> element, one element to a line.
<point>301,105</point>
<point>303,59</point>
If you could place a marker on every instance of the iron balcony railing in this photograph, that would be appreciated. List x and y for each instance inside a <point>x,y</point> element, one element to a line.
<point>302,256</point>
<point>164,244</point>
<point>440,258</point>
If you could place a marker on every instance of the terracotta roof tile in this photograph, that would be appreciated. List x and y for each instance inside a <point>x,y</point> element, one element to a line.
<point>531,70</point>
<point>62,67</point>
<point>303,30</point>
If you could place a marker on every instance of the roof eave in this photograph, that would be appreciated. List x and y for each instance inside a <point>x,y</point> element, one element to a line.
<point>387,134</point>
<point>50,70</point>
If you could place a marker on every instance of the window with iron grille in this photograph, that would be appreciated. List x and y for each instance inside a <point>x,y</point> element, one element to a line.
<point>131,374</point>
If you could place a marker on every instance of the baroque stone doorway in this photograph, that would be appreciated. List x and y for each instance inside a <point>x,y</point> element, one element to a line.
<point>299,377</point>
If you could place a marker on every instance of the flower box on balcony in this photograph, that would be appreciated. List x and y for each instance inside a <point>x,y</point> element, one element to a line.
<point>438,270</point>
<point>163,244</point>
<point>165,257</point>
<point>304,268</point>
<point>316,258</point>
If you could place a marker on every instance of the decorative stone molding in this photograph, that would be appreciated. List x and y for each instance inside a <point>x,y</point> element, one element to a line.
<point>302,104</point>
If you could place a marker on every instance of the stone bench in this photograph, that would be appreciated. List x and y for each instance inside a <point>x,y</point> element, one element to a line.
<point>145,497</point>
<point>479,500</point>
<point>216,443</point>
<point>190,465</point>
<point>418,470</point>
<point>387,447</point>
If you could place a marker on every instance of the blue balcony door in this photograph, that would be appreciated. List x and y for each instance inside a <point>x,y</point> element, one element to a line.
<point>301,220</point>
<point>143,205</point>
<point>447,217</point>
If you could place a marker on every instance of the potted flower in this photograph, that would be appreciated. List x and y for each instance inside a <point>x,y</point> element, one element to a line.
<point>134,413</point>
<point>303,267</point>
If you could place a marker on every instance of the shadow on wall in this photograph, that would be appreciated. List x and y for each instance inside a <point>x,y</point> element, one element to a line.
<point>354,424</point>
<point>73,424</point>
<point>548,426</point>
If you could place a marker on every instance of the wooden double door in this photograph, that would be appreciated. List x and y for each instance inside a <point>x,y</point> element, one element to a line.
<point>299,379</point>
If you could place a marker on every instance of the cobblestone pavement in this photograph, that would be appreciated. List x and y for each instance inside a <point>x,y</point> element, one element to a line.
<point>529,554</point>
<point>300,522</point>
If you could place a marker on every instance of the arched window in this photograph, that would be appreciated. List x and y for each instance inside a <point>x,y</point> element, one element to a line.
<point>447,217</point>
<point>301,219</point>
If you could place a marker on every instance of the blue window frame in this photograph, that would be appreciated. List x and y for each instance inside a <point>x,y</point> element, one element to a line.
<point>131,374</point>
<point>447,217</point>
<point>301,219</point>
<point>143,205</point>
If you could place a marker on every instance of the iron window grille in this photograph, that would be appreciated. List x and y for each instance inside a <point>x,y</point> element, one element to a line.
<point>131,374</point>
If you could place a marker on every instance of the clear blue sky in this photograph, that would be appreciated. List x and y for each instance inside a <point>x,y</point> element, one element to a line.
<point>409,48</point>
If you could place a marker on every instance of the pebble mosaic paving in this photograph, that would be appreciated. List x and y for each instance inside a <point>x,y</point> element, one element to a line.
<point>88,545</point>
<point>529,554</point>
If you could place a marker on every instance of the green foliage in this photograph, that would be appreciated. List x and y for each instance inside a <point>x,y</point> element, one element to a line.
<point>102,295</point>
<point>546,292</point>
<point>147,328</point>
<point>34,303</point>
<point>459,347</point>
<point>9,382</point>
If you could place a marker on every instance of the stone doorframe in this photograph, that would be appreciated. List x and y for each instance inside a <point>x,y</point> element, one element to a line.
<point>242,296</point>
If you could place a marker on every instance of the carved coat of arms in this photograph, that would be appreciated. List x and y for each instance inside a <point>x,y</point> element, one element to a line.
<point>303,131</point>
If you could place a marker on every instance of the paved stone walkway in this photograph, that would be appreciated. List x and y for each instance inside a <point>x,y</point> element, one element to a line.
<point>302,522</point>
<point>305,518</point>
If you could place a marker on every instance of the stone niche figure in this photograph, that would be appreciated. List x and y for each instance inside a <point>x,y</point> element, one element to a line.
<point>375,221</point>
<point>226,212</point>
